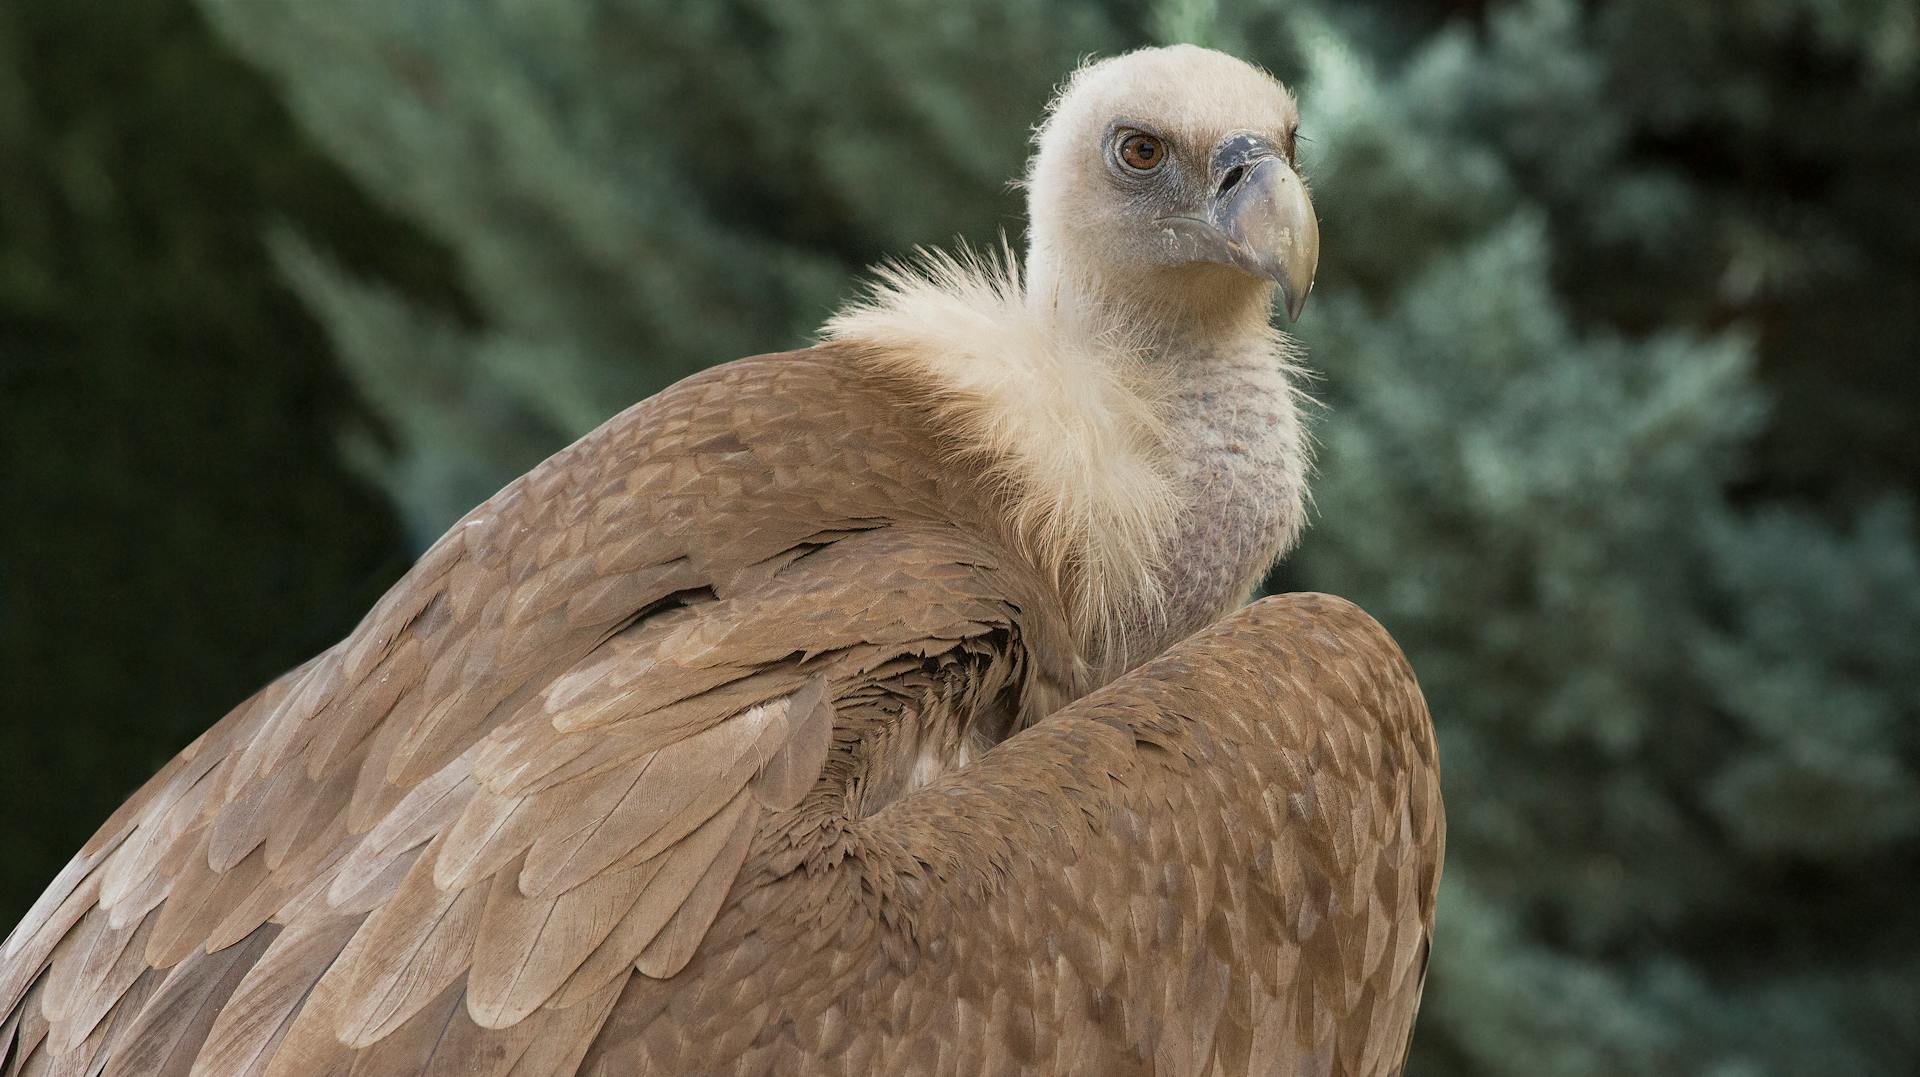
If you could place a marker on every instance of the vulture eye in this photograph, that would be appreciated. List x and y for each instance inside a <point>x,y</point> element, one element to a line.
<point>1142,153</point>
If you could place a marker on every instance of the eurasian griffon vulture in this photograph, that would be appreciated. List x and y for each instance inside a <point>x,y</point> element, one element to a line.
<point>839,711</point>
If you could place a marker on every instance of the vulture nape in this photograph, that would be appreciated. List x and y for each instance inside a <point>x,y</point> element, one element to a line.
<point>879,707</point>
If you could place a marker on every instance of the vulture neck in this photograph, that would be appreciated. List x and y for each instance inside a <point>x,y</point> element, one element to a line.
<point>1221,381</point>
<point>1146,453</point>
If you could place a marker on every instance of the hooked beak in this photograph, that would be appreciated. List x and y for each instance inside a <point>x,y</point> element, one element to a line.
<point>1259,220</point>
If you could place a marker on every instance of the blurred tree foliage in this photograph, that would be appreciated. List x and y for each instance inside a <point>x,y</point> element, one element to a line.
<point>1617,316</point>
<point>175,524</point>
<point>624,221</point>
<point>1638,508</point>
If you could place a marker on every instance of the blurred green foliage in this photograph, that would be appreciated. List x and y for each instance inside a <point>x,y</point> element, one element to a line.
<point>1617,316</point>
<point>176,526</point>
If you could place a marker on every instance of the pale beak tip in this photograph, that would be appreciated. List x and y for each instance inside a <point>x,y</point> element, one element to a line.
<point>1295,300</point>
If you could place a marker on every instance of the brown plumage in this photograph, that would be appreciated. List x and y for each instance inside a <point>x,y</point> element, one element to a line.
<point>693,750</point>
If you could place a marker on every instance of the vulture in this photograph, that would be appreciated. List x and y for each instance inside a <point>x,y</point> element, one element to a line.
<point>887,706</point>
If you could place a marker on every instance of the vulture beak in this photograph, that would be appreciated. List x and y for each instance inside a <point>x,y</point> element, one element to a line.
<point>1258,219</point>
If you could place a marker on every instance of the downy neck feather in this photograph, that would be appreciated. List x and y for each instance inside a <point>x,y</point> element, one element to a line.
<point>1091,419</point>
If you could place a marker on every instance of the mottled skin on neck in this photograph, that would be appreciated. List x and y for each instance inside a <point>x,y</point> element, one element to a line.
<point>1240,454</point>
<point>1233,438</point>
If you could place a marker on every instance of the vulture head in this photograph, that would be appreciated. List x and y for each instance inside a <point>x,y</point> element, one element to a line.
<point>1168,176</point>
<point>1165,211</point>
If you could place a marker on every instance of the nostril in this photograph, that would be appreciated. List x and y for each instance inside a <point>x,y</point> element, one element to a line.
<point>1232,179</point>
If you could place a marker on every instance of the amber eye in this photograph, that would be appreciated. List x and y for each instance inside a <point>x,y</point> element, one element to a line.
<point>1142,153</point>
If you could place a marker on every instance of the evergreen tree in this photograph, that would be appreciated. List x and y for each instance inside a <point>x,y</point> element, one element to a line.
<point>175,525</point>
<point>1678,739</point>
<point>1602,286</point>
<point>624,221</point>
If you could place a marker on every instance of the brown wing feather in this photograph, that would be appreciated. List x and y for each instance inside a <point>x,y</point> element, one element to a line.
<point>673,946</point>
<point>242,1039</point>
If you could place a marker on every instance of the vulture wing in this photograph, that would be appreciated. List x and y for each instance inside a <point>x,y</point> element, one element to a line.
<point>538,764</point>
<point>1223,863</point>
<point>602,786</point>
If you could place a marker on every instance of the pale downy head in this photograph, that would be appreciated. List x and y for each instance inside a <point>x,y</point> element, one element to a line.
<point>1168,176</point>
<point>1165,212</point>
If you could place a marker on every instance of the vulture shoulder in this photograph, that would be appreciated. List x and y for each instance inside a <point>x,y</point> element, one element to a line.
<point>671,758</point>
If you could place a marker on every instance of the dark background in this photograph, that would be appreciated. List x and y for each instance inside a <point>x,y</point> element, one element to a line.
<point>1618,322</point>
